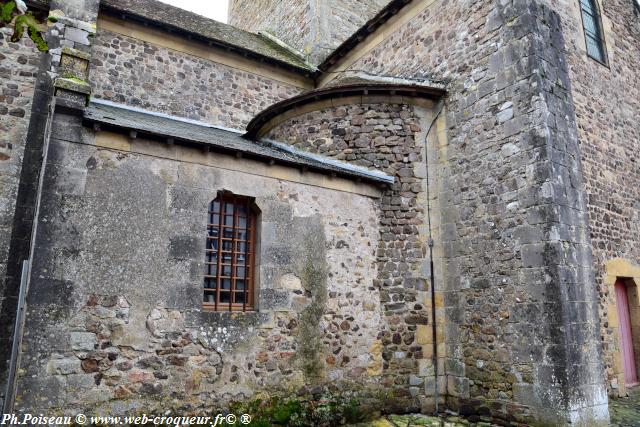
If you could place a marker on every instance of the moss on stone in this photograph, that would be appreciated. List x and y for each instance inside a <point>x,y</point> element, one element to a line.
<point>314,281</point>
<point>302,411</point>
<point>73,84</point>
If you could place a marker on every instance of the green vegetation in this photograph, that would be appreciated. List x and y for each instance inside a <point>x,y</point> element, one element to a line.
<point>11,14</point>
<point>329,410</point>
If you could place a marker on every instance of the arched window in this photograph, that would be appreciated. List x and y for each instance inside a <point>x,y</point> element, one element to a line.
<point>593,30</point>
<point>229,267</point>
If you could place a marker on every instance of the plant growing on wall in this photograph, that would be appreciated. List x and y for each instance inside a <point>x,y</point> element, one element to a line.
<point>14,14</point>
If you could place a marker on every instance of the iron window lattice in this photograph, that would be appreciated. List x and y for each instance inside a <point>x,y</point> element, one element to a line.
<point>229,269</point>
<point>593,30</point>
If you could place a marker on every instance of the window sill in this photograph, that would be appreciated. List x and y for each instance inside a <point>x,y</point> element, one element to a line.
<point>604,64</point>
<point>225,309</point>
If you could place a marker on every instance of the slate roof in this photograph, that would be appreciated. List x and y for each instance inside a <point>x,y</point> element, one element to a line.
<point>230,37</point>
<point>129,118</point>
<point>392,7</point>
<point>197,26</point>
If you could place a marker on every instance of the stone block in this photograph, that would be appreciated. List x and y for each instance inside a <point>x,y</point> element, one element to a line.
<point>70,181</point>
<point>425,367</point>
<point>272,299</point>
<point>186,247</point>
<point>612,316</point>
<point>290,282</point>
<point>415,380</point>
<point>84,341</point>
<point>427,351</point>
<point>280,255</point>
<point>457,386</point>
<point>64,366</point>
<point>533,255</point>
<point>66,127</point>
<point>424,334</point>
<point>524,393</point>
<point>77,35</point>
<point>505,113</point>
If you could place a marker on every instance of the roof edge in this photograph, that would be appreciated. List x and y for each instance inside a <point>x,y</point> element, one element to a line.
<point>280,152</point>
<point>308,72</point>
<point>431,90</point>
<point>108,103</point>
<point>369,27</point>
<point>371,174</point>
<point>275,40</point>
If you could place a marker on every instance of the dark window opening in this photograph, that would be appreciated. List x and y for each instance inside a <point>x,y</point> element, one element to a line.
<point>229,267</point>
<point>593,30</point>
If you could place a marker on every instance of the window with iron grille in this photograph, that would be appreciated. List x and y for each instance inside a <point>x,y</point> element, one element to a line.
<point>593,30</point>
<point>229,267</point>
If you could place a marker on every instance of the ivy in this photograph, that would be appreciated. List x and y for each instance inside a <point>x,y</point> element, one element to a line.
<point>6,13</point>
<point>29,21</point>
<point>11,13</point>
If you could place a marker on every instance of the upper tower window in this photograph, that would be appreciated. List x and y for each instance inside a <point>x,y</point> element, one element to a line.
<point>229,268</point>
<point>593,30</point>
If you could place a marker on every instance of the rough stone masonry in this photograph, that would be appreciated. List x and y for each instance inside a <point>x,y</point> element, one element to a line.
<point>445,195</point>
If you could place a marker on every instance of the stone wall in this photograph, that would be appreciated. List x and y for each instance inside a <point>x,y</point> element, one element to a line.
<point>313,27</point>
<point>390,138</point>
<point>115,315</point>
<point>18,72</point>
<point>144,75</point>
<point>68,39</point>
<point>607,105</point>
<point>19,68</point>
<point>515,238</point>
<point>290,21</point>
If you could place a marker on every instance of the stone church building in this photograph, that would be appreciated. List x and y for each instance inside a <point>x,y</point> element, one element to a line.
<point>420,203</point>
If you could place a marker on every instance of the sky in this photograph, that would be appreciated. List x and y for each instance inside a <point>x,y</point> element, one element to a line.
<point>215,9</point>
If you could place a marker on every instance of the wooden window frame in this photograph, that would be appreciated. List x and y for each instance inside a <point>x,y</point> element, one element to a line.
<point>599,36</point>
<point>217,220</point>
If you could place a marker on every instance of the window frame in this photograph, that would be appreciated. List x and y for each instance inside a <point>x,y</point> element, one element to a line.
<point>248,301</point>
<point>600,32</point>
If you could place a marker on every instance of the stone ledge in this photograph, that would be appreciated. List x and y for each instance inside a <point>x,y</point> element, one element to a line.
<point>72,84</point>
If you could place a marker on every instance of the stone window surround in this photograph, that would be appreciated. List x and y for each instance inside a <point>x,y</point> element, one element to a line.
<point>619,268</point>
<point>250,275</point>
<point>601,32</point>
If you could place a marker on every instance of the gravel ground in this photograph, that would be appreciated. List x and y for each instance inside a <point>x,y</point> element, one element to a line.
<point>423,420</point>
<point>625,411</point>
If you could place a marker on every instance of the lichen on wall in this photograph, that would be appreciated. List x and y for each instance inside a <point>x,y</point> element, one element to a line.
<point>313,275</point>
<point>387,137</point>
<point>123,234</point>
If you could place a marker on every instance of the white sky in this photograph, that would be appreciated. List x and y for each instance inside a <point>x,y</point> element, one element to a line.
<point>215,9</point>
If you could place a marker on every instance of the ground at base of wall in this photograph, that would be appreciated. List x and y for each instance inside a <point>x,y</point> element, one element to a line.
<point>422,420</point>
<point>625,411</point>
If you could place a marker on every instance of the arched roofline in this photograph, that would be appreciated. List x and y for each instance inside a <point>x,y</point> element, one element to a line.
<point>348,94</point>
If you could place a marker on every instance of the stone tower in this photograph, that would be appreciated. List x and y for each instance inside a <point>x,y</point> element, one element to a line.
<point>314,27</point>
